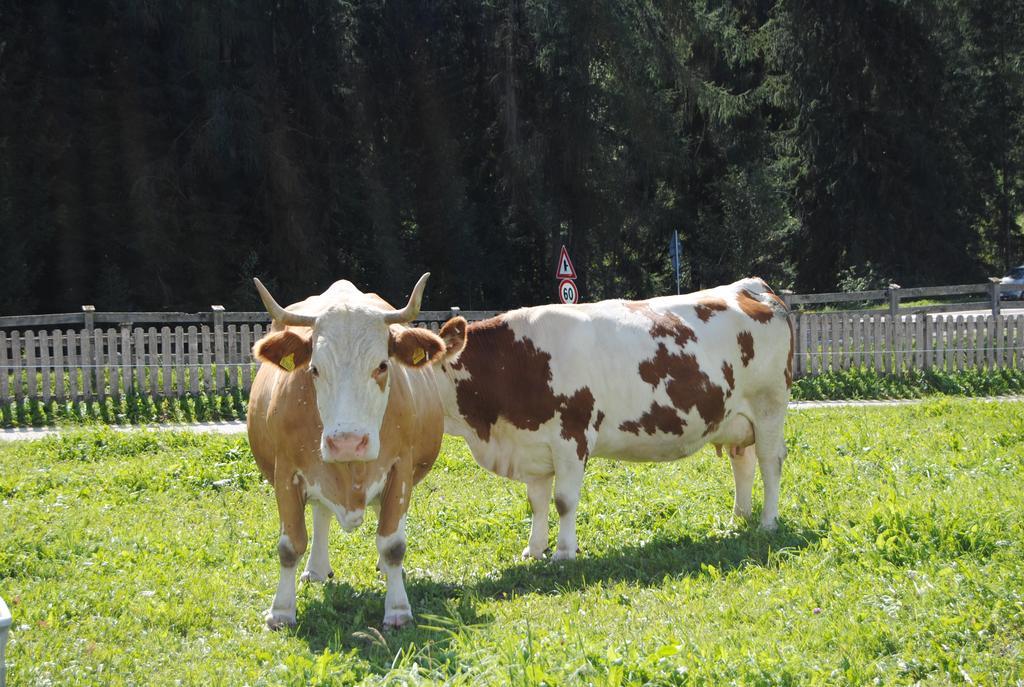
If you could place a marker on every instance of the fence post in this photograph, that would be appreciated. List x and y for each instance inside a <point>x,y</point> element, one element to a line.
<point>88,352</point>
<point>926,339</point>
<point>893,294</point>
<point>219,364</point>
<point>794,322</point>
<point>993,292</point>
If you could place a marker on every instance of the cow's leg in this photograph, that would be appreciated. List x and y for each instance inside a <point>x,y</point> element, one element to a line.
<point>394,503</point>
<point>744,463</point>
<point>290,547</point>
<point>539,492</point>
<point>771,452</point>
<point>318,565</point>
<point>568,484</point>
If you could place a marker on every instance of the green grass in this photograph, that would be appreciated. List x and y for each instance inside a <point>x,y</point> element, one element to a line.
<point>881,305</point>
<point>900,560</point>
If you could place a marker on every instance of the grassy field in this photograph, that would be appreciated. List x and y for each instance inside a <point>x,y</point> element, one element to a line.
<point>127,560</point>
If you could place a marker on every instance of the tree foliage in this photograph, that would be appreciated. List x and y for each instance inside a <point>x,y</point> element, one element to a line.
<point>158,155</point>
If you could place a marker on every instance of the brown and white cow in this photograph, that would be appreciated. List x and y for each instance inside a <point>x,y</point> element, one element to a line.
<point>537,391</point>
<point>344,412</point>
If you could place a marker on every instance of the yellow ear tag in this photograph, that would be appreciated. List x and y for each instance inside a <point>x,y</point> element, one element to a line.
<point>288,362</point>
<point>419,355</point>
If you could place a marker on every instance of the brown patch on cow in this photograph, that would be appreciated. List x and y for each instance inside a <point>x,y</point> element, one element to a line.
<point>561,506</point>
<point>727,373</point>
<point>600,419</point>
<point>511,379</point>
<point>287,349</point>
<point>664,325</point>
<point>658,419</point>
<point>654,370</point>
<point>394,554</point>
<point>286,554</point>
<point>746,343</point>
<point>415,346</point>
<point>754,309</point>
<point>687,386</point>
<point>789,359</point>
<point>575,419</point>
<point>706,307</point>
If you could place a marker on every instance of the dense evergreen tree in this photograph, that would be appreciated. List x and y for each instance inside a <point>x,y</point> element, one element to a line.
<point>157,155</point>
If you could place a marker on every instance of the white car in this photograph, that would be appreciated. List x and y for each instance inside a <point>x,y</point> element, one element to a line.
<point>1014,276</point>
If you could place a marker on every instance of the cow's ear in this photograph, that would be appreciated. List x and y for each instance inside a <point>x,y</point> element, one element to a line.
<point>415,347</point>
<point>453,333</point>
<point>287,349</point>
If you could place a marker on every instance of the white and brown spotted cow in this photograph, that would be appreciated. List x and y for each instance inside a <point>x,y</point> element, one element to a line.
<point>537,391</point>
<point>344,412</point>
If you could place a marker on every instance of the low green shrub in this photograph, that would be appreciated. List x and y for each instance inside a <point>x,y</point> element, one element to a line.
<point>866,384</point>
<point>131,409</point>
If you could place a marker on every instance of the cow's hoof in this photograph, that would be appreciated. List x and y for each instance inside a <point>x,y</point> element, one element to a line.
<point>397,620</point>
<point>279,621</point>
<point>770,525</point>
<point>314,576</point>
<point>564,555</point>
<point>529,553</point>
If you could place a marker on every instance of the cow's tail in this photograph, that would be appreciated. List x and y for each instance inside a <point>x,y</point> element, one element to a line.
<point>760,290</point>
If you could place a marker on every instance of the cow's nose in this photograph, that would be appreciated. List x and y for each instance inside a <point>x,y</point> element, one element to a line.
<point>347,445</point>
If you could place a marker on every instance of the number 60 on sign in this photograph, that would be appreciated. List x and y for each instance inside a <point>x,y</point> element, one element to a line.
<point>567,292</point>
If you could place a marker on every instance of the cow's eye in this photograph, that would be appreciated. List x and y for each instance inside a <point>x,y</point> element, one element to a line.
<point>313,371</point>
<point>383,367</point>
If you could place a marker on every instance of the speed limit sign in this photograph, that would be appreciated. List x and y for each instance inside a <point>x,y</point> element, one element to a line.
<point>567,292</point>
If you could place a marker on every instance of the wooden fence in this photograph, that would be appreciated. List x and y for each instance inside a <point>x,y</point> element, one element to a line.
<point>896,337</point>
<point>840,341</point>
<point>166,355</point>
<point>92,356</point>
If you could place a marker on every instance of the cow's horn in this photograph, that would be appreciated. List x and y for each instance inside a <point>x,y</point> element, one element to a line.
<point>279,313</point>
<point>412,308</point>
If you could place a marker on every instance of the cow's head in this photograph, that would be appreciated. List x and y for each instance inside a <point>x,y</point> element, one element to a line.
<point>349,351</point>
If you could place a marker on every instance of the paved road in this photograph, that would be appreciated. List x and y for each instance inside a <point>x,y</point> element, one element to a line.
<point>239,427</point>
<point>1004,310</point>
<point>199,428</point>
<point>802,405</point>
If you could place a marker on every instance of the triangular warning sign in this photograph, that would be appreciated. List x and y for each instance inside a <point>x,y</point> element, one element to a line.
<point>565,268</point>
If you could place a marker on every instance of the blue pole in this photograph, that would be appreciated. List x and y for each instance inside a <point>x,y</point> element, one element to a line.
<point>674,251</point>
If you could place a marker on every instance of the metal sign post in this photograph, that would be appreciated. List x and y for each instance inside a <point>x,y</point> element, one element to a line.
<point>675,252</point>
